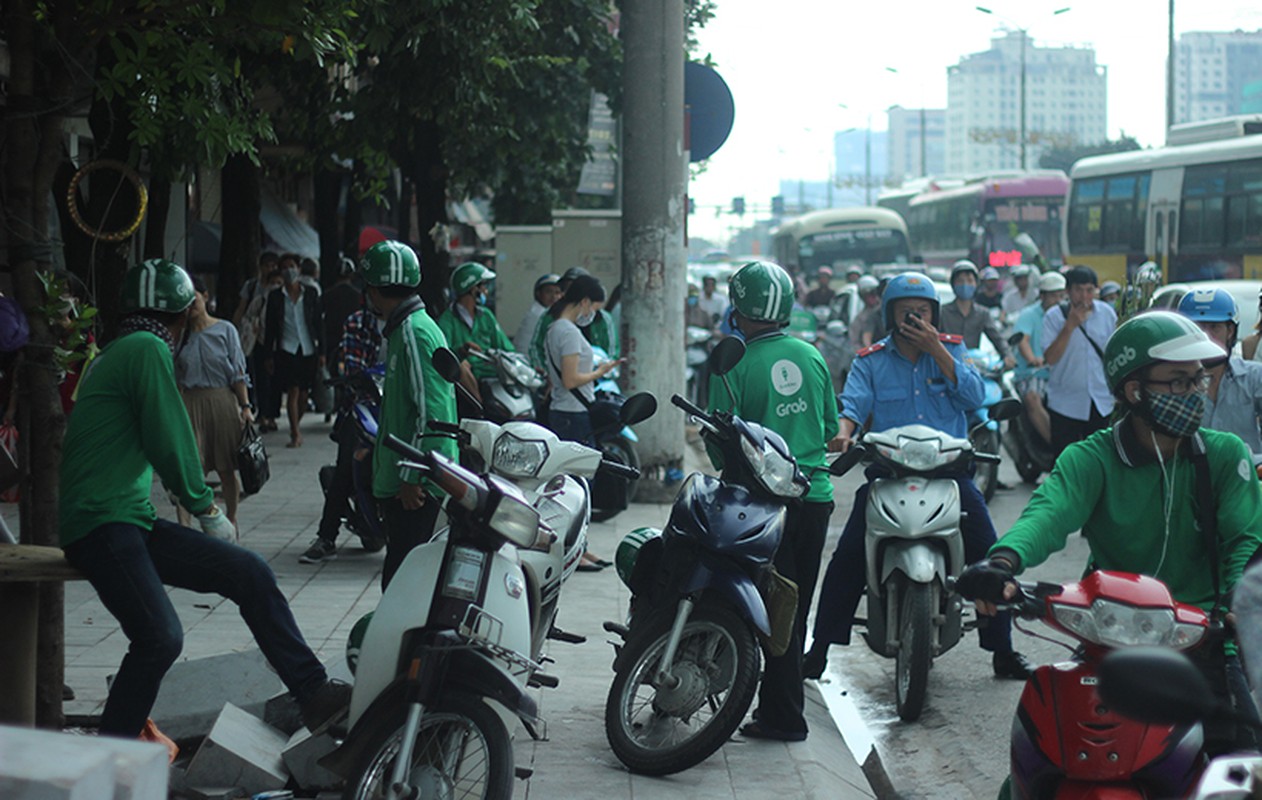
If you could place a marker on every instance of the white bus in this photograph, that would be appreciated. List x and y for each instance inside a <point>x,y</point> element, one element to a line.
<point>1195,209</point>
<point>841,237</point>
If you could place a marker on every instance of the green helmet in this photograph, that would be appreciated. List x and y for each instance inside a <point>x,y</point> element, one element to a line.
<point>157,285</point>
<point>390,263</point>
<point>629,549</point>
<point>763,292</point>
<point>355,642</point>
<point>1152,337</point>
<point>468,275</point>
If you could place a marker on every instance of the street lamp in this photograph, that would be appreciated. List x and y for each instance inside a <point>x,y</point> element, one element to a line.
<point>1025,34</point>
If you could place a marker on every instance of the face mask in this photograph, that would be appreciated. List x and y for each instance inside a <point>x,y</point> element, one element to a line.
<point>481,298</point>
<point>585,319</point>
<point>1174,415</point>
<point>692,300</point>
<point>732,326</point>
<point>290,275</point>
<point>965,291</point>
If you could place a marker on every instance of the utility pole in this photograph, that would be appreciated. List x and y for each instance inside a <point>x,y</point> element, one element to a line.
<point>867,163</point>
<point>924,170</point>
<point>1024,35</point>
<point>653,256</point>
<point>1170,69</point>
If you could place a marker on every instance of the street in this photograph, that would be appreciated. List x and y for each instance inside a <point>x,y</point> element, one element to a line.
<point>958,749</point>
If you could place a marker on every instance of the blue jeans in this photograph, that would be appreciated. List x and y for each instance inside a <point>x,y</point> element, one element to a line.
<point>846,578</point>
<point>128,567</point>
<point>572,426</point>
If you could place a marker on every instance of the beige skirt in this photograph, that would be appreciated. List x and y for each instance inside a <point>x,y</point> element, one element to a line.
<point>217,425</point>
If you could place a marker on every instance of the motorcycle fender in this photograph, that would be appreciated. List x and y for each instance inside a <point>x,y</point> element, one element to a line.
<point>917,560</point>
<point>738,589</point>
<point>341,760</point>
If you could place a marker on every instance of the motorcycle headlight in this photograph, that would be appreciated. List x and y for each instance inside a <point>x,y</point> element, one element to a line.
<point>518,458</point>
<point>515,520</point>
<point>521,372</point>
<point>1115,624</point>
<point>915,455</point>
<point>773,470</point>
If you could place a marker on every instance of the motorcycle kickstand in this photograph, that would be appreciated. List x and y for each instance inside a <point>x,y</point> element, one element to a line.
<point>664,676</point>
<point>399,789</point>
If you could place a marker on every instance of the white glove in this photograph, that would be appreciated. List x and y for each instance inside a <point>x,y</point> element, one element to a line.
<point>215,523</point>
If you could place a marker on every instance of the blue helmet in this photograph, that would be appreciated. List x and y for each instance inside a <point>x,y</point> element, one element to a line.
<point>1209,305</point>
<point>909,284</point>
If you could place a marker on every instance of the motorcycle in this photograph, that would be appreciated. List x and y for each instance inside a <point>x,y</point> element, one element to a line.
<point>1068,740</point>
<point>697,350</point>
<point>616,439</point>
<point>1156,685</point>
<point>358,407</point>
<point>445,660</point>
<point>1031,453</point>
<point>984,432</point>
<point>914,547</point>
<point>510,394</point>
<point>687,662</point>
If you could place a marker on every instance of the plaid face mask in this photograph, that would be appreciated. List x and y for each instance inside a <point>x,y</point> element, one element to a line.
<point>1175,415</point>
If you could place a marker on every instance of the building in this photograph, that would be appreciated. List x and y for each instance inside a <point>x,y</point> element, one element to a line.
<point>1217,75</point>
<point>1064,100</point>
<point>860,163</point>
<point>907,126</point>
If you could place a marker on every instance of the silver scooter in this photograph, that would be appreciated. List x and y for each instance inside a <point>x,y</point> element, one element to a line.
<point>510,394</point>
<point>913,545</point>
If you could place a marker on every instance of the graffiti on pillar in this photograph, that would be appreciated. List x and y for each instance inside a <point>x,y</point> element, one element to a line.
<point>654,271</point>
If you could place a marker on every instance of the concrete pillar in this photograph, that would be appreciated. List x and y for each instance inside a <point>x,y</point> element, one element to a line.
<point>653,256</point>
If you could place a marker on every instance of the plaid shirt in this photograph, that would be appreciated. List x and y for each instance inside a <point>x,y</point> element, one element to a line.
<point>361,343</point>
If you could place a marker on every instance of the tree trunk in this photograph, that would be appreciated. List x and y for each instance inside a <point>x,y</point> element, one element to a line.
<point>353,219</point>
<point>33,148</point>
<point>429,176</point>
<point>328,191</point>
<point>239,250</point>
<point>156,230</point>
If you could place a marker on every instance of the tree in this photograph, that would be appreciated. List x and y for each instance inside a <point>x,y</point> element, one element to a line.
<point>1063,158</point>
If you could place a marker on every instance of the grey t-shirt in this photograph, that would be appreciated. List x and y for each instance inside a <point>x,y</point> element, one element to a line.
<point>211,358</point>
<point>565,339</point>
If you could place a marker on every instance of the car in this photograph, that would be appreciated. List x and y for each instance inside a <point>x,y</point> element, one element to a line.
<point>1245,293</point>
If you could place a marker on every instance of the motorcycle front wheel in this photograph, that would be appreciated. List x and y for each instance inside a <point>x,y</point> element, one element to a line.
<point>659,730</point>
<point>462,752</point>
<point>914,656</point>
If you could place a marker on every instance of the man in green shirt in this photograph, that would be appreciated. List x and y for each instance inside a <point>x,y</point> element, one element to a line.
<point>784,384</point>
<point>1132,489</point>
<point>128,422</point>
<point>414,393</point>
<point>470,326</point>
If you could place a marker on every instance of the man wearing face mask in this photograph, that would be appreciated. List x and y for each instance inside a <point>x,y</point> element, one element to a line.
<point>1233,400</point>
<point>1074,332</point>
<point>1155,494</point>
<point>470,326</point>
<point>128,423</point>
<point>916,375</point>
<point>413,394</point>
<point>964,317</point>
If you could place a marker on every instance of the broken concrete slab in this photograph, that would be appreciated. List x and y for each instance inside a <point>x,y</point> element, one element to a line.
<point>241,750</point>
<point>193,692</point>
<point>281,710</point>
<point>300,757</point>
<point>44,765</point>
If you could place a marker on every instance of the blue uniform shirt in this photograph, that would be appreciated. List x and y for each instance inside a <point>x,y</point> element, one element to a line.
<point>894,391</point>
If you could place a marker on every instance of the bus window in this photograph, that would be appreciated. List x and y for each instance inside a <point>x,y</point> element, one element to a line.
<point>1086,210</point>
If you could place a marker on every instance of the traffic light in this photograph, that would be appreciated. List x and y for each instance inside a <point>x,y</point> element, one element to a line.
<point>738,206</point>
<point>777,206</point>
<point>692,205</point>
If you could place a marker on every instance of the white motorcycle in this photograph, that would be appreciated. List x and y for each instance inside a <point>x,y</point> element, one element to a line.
<point>913,545</point>
<point>446,658</point>
<point>511,393</point>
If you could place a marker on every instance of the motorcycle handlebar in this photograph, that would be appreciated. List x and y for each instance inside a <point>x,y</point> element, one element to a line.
<point>688,407</point>
<point>443,427</point>
<point>619,469</point>
<point>990,458</point>
<point>404,449</point>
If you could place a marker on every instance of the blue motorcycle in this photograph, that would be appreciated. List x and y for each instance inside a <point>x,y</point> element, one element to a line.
<point>983,432</point>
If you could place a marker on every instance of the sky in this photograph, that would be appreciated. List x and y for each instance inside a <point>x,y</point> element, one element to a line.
<point>800,70</point>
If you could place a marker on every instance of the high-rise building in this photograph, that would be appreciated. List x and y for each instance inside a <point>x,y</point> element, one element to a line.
<point>1217,75</point>
<point>860,163</point>
<point>1064,97</point>
<point>907,128</point>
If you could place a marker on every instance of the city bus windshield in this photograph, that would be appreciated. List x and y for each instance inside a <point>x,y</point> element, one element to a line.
<point>1005,219</point>
<point>864,247</point>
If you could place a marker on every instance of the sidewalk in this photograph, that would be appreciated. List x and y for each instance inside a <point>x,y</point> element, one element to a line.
<point>574,761</point>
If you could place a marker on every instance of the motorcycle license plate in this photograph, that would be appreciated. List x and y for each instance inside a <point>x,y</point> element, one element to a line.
<point>464,573</point>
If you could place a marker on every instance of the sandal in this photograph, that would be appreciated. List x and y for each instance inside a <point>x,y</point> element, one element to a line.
<point>756,730</point>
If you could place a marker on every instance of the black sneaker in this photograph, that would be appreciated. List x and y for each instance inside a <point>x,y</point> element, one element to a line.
<point>814,661</point>
<point>1012,666</point>
<point>320,550</point>
<point>326,706</point>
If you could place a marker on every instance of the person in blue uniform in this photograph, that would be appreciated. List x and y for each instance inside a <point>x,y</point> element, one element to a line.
<point>915,375</point>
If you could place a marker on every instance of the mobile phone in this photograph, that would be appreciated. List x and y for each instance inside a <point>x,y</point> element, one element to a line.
<point>909,317</point>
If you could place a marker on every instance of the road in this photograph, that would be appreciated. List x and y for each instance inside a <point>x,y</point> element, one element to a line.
<point>958,750</point>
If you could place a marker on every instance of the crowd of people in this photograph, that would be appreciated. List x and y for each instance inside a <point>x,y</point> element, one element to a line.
<point>1139,413</point>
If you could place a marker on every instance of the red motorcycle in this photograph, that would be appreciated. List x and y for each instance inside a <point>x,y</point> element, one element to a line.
<point>1066,743</point>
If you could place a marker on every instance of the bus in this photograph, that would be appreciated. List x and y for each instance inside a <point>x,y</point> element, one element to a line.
<point>900,199</point>
<point>841,237</point>
<point>1196,210</point>
<point>981,219</point>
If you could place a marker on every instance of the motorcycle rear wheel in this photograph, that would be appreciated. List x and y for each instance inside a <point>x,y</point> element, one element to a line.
<point>914,656</point>
<point>663,731</point>
<point>462,750</point>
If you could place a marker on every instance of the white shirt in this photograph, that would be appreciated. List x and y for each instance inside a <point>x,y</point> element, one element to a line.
<point>526,330</point>
<point>293,331</point>
<point>1077,379</point>
<point>1014,301</point>
<point>715,305</point>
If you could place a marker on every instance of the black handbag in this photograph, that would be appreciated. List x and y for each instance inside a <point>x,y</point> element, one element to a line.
<point>252,461</point>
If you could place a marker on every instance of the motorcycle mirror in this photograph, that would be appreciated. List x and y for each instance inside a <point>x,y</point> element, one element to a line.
<point>1155,685</point>
<point>847,461</point>
<point>1015,339</point>
<point>637,408</point>
<point>1026,244</point>
<point>726,354</point>
<point>1007,408</point>
<point>446,365</point>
